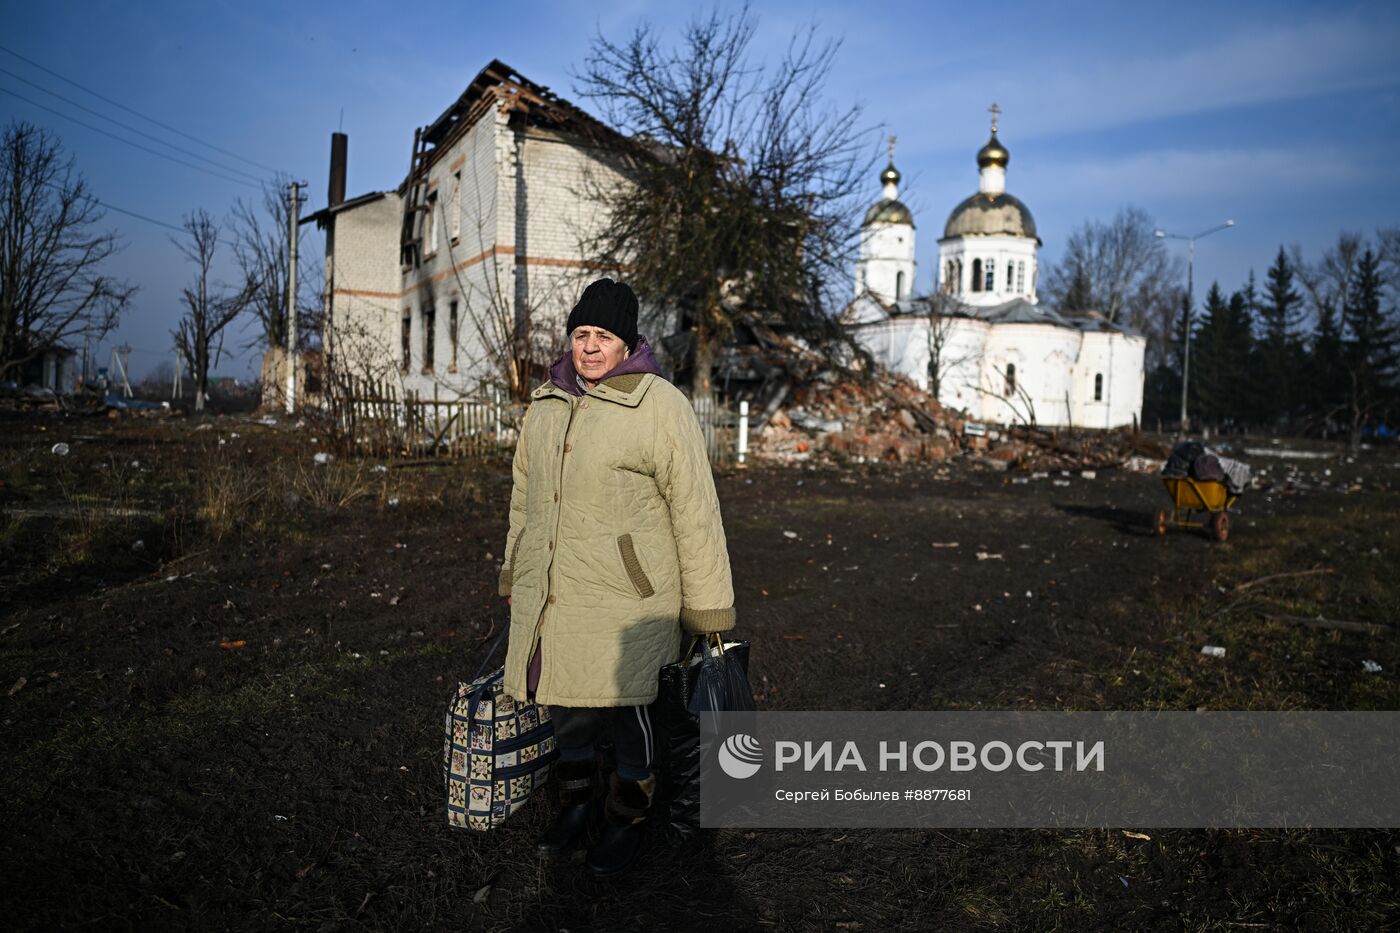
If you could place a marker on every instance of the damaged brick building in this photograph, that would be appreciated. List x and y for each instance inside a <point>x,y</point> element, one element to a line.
<point>463,274</point>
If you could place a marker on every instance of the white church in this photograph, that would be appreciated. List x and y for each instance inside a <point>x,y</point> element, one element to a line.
<point>981,335</point>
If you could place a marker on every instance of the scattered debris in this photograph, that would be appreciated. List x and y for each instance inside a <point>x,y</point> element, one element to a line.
<point>240,643</point>
<point>1213,651</point>
<point>60,449</point>
<point>1280,576</point>
<point>1366,628</point>
<point>18,686</point>
<point>323,458</point>
<point>1289,453</point>
<point>983,555</point>
<point>1370,667</point>
<point>789,534</point>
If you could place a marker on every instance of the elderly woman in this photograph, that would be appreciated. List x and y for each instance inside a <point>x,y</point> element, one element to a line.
<point>615,550</point>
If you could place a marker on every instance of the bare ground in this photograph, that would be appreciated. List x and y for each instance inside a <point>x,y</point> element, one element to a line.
<point>237,724</point>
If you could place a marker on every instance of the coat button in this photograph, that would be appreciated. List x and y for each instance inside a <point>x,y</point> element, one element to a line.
<point>568,448</point>
<point>551,599</point>
<point>583,404</point>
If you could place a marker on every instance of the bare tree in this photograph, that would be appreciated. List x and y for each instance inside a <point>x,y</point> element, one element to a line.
<point>260,244</point>
<point>51,289</point>
<point>743,185</point>
<point>942,361</point>
<point>209,307</point>
<point>1118,269</point>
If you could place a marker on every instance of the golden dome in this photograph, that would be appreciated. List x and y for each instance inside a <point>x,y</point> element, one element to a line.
<point>991,215</point>
<point>890,176</point>
<point>889,211</point>
<point>994,153</point>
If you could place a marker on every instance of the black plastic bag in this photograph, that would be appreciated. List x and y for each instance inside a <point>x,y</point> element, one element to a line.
<point>692,685</point>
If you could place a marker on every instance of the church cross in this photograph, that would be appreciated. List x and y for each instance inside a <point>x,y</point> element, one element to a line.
<point>995,111</point>
<point>892,149</point>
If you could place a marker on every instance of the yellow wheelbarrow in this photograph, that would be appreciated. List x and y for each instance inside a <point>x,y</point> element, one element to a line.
<point>1192,496</point>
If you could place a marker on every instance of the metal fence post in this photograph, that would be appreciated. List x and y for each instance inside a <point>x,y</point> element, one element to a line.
<point>743,432</point>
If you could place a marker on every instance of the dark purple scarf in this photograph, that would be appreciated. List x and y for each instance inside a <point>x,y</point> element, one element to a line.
<point>642,360</point>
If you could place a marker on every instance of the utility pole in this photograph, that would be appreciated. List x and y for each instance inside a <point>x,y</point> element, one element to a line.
<point>293,223</point>
<point>120,356</point>
<point>1190,301</point>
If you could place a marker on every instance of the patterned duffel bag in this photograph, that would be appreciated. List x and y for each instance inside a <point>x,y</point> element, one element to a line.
<point>498,752</point>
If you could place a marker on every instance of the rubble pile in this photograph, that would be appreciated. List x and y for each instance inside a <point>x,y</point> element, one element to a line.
<point>889,418</point>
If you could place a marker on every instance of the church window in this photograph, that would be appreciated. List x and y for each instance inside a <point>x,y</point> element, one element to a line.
<point>976,275</point>
<point>898,285</point>
<point>1010,379</point>
<point>1020,278</point>
<point>1010,276</point>
<point>1098,387</point>
<point>957,276</point>
<point>407,340</point>
<point>991,283</point>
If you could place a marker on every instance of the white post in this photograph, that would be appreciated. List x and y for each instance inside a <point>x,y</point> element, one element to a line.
<point>293,216</point>
<point>743,432</point>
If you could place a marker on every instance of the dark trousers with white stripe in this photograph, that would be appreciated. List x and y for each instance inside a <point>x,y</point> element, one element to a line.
<point>577,728</point>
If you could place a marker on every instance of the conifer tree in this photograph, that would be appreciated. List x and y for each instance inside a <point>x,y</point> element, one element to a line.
<point>1278,351</point>
<point>1368,344</point>
<point>1209,356</point>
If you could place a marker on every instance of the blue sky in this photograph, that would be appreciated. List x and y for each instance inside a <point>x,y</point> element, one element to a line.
<point>1282,116</point>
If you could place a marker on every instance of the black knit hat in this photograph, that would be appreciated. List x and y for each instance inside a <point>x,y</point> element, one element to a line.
<point>609,305</point>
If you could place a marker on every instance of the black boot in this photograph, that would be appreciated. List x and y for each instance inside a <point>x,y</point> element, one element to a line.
<point>577,786</point>
<point>621,842</point>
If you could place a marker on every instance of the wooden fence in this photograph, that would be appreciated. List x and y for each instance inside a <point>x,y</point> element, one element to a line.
<point>374,420</point>
<point>717,427</point>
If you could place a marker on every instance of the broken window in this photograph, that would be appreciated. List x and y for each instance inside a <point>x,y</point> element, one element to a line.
<point>429,227</point>
<point>428,329</point>
<point>455,222</point>
<point>1098,387</point>
<point>976,275</point>
<point>452,335</point>
<point>407,340</point>
<point>1010,379</point>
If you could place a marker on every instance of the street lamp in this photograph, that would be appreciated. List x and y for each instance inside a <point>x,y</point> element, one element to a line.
<point>1190,301</point>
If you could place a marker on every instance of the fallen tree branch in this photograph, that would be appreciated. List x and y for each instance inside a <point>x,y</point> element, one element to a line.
<point>1279,576</point>
<point>1368,628</point>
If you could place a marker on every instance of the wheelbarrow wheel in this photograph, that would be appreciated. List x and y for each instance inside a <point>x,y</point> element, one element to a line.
<point>1160,524</point>
<point>1220,526</point>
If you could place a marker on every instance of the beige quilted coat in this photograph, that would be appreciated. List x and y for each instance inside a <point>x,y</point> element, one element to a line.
<point>615,542</point>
